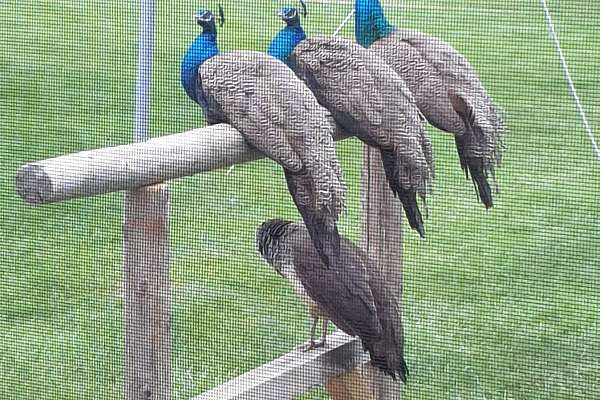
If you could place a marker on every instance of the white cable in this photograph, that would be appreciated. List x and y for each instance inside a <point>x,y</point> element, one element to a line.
<point>344,22</point>
<point>569,79</point>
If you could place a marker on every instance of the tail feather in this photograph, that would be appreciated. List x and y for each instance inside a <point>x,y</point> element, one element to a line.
<point>474,167</point>
<point>320,222</point>
<point>387,356</point>
<point>326,238</point>
<point>460,150</point>
<point>480,181</point>
<point>411,209</point>
<point>387,350</point>
<point>408,198</point>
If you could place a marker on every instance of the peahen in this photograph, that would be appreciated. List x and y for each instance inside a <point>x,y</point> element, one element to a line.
<point>352,294</point>
<point>278,115</point>
<point>446,88</point>
<point>369,100</point>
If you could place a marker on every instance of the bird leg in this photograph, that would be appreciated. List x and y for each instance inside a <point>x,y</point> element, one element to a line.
<point>313,330</point>
<point>321,343</point>
<point>311,345</point>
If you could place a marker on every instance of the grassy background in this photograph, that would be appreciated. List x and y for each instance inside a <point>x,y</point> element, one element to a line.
<point>499,305</point>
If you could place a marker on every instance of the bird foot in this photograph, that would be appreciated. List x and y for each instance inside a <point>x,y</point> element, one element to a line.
<point>312,345</point>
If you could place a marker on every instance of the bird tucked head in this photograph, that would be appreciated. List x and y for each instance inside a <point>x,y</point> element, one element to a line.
<point>370,22</point>
<point>268,235</point>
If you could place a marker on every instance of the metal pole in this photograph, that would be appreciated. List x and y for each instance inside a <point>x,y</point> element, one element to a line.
<point>144,72</point>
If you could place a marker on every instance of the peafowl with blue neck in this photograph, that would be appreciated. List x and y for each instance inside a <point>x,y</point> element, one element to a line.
<point>447,90</point>
<point>279,116</point>
<point>369,100</point>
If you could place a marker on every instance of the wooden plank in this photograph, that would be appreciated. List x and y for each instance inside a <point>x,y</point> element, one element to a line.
<point>294,373</point>
<point>146,294</point>
<point>113,169</point>
<point>382,242</point>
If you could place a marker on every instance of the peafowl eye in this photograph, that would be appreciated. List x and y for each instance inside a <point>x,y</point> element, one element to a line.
<point>288,13</point>
<point>203,17</point>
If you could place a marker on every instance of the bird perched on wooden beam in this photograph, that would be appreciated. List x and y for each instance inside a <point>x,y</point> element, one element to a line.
<point>447,90</point>
<point>369,100</point>
<point>352,294</point>
<point>278,115</point>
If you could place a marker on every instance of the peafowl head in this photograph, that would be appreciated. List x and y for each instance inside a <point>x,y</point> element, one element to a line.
<point>291,16</point>
<point>268,236</point>
<point>207,20</point>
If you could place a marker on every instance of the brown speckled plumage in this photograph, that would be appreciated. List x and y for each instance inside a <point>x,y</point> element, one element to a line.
<point>451,96</point>
<point>370,100</point>
<point>278,115</point>
<point>352,293</point>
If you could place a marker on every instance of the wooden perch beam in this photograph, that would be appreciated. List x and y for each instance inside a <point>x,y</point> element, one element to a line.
<point>294,373</point>
<point>113,169</point>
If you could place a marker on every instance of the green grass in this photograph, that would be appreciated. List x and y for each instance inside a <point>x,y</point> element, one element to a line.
<point>498,305</point>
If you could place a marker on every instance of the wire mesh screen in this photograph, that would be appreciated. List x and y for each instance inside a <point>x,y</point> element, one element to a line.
<point>498,303</point>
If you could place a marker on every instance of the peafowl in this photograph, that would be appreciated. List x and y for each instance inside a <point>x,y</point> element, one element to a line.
<point>369,100</point>
<point>352,294</point>
<point>278,115</point>
<point>446,88</point>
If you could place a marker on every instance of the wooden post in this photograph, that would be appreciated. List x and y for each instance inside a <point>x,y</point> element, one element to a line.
<point>353,385</point>
<point>382,242</point>
<point>146,294</point>
<point>146,254</point>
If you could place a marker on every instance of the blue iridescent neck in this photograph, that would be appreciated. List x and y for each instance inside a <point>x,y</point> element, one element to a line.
<point>203,48</point>
<point>370,22</point>
<point>285,42</point>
